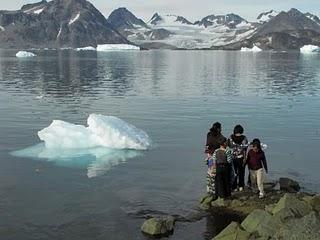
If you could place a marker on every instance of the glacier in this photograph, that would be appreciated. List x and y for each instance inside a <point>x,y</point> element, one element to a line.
<point>24,54</point>
<point>116,47</point>
<point>107,141</point>
<point>102,131</point>
<point>309,49</point>
<point>254,49</point>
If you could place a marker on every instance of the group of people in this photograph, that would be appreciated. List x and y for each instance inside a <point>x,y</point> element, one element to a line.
<point>227,160</point>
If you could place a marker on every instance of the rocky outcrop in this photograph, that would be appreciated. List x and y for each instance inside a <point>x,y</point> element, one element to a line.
<point>230,20</point>
<point>294,216</point>
<point>289,185</point>
<point>58,23</point>
<point>158,226</point>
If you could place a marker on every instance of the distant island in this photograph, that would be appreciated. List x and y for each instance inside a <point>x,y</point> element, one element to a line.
<point>78,24</point>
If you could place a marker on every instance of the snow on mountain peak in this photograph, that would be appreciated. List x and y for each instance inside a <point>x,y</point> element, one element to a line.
<point>267,16</point>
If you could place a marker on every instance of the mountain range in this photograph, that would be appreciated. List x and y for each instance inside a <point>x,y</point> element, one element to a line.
<point>77,23</point>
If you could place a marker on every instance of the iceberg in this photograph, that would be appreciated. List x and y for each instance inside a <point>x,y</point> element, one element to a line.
<point>102,131</point>
<point>116,47</point>
<point>24,54</point>
<point>89,48</point>
<point>254,49</point>
<point>309,49</point>
<point>107,141</point>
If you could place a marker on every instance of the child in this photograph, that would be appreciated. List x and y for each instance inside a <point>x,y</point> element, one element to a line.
<point>223,158</point>
<point>238,142</point>
<point>256,161</point>
<point>211,174</point>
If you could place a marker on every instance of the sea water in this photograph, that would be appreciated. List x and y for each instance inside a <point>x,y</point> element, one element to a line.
<point>174,97</point>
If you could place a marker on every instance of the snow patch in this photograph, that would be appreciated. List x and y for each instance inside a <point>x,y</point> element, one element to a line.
<point>309,49</point>
<point>59,33</point>
<point>89,48</point>
<point>113,47</point>
<point>74,19</point>
<point>24,54</point>
<point>2,28</point>
<point>254,49</point>
<point>38,11</point>
<point>102,131</point>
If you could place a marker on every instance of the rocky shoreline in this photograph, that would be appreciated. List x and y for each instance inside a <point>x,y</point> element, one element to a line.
<point>284,213</point>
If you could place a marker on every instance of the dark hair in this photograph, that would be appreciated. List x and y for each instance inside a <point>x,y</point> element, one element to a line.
<point>223,140</point>
<point>256,143</point>
<point>216,129</point>
<point>238,129</point>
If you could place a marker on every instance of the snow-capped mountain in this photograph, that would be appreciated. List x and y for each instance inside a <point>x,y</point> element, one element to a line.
<point>169,19</point>
<point>287,30</point>
<point>174,31</point>
<point>230,20</point>
<point>266,16</point>
<point>312,17</point>
<point>124,21</point>
<point>58,23</point>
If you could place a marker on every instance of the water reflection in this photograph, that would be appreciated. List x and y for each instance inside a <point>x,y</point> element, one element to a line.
<point>97,161</point>
<point>64,74</point>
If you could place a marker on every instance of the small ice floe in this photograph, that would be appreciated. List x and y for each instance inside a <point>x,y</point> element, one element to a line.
<point>309,49</point>
<point>39,97</point>
<point>254,49</point>
<point>89,48</point>
<point>116,47</point>
<point>25,54</point>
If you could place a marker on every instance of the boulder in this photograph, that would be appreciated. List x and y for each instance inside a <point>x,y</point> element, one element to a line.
<point>220,202</point>
<point>289,185</point>
<point>158,226</point>
<point>315,203</point>
<point>303,228</point>
<point>260,223</point>
<point>233,231</point>
<point>205,202</point>
<point>289,206</point>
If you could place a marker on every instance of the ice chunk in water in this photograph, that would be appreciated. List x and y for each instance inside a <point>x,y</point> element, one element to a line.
<point>24,54</point>
<point>102,131</point>
<point>113,47</point>
<point>254,49</point>
<point>309,49</point>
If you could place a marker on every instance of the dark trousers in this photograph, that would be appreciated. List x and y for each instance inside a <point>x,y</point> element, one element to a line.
<point>240,173</point>
<point>223,189</point>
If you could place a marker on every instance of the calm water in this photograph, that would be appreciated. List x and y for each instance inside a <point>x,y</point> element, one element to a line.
<point>174,96</point>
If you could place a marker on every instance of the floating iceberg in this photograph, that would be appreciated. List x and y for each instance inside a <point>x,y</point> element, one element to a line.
<point>89,48</point>
<point>25,54</point>
<point>102,131</point>
<point>116,47</point>
<point>254,49</point>
<point>106,142</point>
<point>309,49</point>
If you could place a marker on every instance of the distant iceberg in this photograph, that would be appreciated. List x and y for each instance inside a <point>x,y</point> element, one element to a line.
<point>89,48</point>
<point>25,54</point>
<point>115,47</point>
<point>309,49</point>
<point>102,131</point>
<point>254,49</point>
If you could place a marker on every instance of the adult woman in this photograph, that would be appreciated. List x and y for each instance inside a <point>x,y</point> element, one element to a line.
<point>214,139</point>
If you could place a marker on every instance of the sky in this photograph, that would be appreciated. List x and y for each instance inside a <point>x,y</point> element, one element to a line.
<point>191,9</point>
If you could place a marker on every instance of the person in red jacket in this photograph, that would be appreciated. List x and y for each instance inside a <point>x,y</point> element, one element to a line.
<point>256,161</point>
